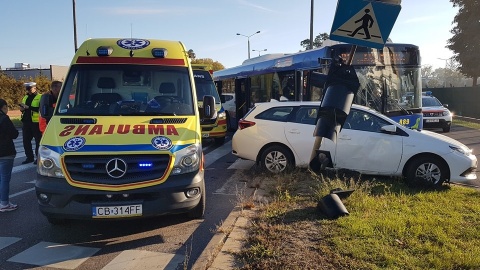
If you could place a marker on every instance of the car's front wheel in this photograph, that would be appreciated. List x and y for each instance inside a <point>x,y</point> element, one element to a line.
<point>276,159</point>
<point>426,171</point>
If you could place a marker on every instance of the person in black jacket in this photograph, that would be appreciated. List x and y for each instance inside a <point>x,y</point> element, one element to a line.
<point>8,133</point>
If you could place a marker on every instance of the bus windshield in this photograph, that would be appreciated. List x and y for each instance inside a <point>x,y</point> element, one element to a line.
<point>388,89</point>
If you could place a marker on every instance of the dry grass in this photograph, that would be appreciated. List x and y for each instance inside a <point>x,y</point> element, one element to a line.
<point>390,226</point>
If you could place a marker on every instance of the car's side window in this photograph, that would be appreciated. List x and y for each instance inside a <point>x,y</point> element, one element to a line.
<point>306,115</point>
<point>364,121</point>
<point>280,114</point>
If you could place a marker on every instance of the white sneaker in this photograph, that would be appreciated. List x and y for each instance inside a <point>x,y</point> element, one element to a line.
<point>9,207</point>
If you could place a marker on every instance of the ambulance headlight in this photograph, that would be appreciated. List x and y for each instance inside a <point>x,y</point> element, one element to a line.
<point>49,163</point>
<point>187,160</point>
<point>222,115</point>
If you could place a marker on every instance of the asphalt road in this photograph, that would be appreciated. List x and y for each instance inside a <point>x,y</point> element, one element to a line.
<point>28,241</point>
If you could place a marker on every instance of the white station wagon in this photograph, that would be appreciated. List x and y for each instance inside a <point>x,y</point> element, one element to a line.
<point>279,136</point>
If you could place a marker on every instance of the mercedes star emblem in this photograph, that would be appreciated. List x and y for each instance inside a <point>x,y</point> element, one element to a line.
<point>116,167</point>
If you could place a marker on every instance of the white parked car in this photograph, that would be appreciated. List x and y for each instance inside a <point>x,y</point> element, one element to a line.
<point>279,136</point>
<point>228,103</point>
<point>435,114</point>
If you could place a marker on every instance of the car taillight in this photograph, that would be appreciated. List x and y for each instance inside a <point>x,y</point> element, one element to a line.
<point>242,124</point>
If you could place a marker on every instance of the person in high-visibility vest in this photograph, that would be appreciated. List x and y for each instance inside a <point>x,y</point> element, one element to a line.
<point>30,113</point>
<point>47,104</point>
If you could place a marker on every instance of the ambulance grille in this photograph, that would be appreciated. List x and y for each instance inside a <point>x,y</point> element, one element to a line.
<point>93,169</point>
<point>76,121</point>
<point>168,120</point>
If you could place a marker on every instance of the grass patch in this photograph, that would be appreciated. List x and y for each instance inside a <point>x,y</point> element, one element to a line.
<point>390,226</point>
<point>466,124</point>
<point>16,121</point>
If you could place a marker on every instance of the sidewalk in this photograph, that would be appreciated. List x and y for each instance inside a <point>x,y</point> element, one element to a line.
<point>220,251</point>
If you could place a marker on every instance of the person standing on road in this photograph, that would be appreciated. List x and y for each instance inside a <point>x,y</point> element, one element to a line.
<point>47,104</point>
<point>30,113</point>
<point>8,133</point>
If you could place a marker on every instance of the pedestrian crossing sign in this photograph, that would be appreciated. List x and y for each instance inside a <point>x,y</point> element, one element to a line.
<point>364,22</point>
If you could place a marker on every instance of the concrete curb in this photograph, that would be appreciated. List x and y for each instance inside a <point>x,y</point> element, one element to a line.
<point>213,248</point>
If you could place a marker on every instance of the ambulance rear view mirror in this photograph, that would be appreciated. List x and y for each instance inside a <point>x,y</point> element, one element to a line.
<point>209,111</point>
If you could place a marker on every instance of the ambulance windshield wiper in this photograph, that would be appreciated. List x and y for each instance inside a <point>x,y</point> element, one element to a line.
<point>149,114</point>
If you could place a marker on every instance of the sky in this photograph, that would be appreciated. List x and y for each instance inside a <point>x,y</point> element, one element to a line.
<point>41,33</point>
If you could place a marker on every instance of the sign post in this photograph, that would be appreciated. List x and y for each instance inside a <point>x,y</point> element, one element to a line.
<point>359,22</point>
<point>364,22</point>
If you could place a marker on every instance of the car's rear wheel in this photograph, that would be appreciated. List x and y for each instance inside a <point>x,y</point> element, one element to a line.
<point>276,159</point>
<point>426,171</point>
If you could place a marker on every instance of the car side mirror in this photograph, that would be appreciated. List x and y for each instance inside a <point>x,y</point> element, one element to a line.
<point>445,105</point>
<point>389,129</point>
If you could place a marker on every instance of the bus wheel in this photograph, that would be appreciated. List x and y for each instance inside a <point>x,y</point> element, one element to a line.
<point>219,141</point>
<point>198,211</point>
<point>426,171</point>
<point>276,159</point>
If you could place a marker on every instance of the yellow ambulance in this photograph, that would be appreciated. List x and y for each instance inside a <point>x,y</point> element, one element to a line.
<point>124,140</point>
<point>215,128</point>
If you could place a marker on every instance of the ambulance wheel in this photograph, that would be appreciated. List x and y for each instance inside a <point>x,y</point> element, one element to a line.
<point>220,141</point>
<point>56,221</point>
<point>198,211</point>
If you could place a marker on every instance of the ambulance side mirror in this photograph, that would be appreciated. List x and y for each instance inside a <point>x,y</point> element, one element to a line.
<point>209,111</point>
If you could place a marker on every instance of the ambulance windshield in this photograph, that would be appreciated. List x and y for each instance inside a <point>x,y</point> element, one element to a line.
<point>126,90</point>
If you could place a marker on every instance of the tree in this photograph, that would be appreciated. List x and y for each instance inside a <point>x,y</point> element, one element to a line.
<point>215,65</point>
<point>317,42</point>
<point>465,42</point>
<point>427,71</point>
<point>191,54</point>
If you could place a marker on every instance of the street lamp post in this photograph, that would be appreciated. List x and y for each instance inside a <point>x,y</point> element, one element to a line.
<point>264,50</point>
<point>248,39</point>
<point>444,72</point>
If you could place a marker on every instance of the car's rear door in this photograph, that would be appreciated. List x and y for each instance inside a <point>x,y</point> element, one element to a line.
<point>299,133</point>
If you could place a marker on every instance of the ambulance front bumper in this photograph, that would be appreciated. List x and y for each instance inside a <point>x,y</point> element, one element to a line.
<point>57,199</point>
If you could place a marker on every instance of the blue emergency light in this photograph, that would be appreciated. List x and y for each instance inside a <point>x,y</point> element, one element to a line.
<point>104,51</point>
<point>88,166</point>
<point>159,52</point>
<point>145,164</point>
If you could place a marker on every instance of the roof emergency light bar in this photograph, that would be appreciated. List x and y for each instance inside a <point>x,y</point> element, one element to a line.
<point>159,52</point>
<point>104,51</point>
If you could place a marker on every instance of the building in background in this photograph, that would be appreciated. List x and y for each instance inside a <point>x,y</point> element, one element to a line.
<point>23,70</point>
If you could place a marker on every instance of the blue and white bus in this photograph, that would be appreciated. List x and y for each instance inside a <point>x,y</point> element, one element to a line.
<point>390,78</point>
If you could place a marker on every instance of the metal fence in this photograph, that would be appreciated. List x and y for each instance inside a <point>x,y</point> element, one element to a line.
<point>462,101</point>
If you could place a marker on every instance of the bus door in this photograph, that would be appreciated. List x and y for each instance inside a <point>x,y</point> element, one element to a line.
<point>310,92</point>
<point>299,86</point>
<point>242,96</point>
<point>219,86</point>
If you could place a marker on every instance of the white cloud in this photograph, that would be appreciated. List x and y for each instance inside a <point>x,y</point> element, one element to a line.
<point>243,2</point>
